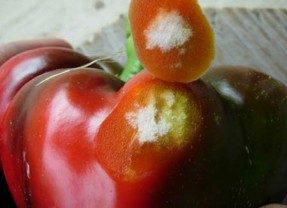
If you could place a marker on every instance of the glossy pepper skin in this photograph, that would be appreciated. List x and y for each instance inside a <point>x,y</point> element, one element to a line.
<point>60,136</point>
<point>23,61</point>
<point>60,112</point>
<point>9,50</point>
<point>22,68</point>
<point>259,103</point>
<point>14,74</point>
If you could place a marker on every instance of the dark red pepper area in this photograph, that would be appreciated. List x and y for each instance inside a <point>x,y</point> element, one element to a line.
<point>6,200</point>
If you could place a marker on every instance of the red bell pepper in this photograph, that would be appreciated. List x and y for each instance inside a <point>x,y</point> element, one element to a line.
<point>9,50</point>
<point>11,81</point>
<point>27,65</point>
<point>15,71</point>
<point>18,70</point>
<point>78,138</point>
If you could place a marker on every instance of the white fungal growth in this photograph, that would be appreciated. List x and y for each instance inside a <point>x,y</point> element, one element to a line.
<point>149,125</point>
<point>169,98</point>
<point>169,30</point>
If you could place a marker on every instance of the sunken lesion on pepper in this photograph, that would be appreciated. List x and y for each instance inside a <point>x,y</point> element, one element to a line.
<point>164,122</point>
<point>165,117</point>
<point>154,123</point>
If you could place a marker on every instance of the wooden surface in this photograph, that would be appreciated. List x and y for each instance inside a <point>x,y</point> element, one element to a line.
<point>255,38</point>
<point>78,20</point>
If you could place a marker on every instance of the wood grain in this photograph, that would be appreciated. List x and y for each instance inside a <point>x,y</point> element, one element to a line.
<point>254,38</point>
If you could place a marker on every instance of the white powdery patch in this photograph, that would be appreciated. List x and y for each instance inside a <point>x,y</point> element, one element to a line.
<point>169,30</point>
<point>169,98</point>
<point>144,121</point>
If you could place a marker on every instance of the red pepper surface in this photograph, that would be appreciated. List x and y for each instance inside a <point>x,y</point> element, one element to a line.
<point>21,61</point>
<point>14,74</point>
<point>77,138</point>
<point>9,50</point>
<point>20,69</point>
<point>27,65</point>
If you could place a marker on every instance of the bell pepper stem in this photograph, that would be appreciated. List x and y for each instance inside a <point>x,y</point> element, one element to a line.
<point>133,65</point>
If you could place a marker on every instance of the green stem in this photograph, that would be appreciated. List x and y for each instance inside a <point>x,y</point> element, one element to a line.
<point>133,65</point>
